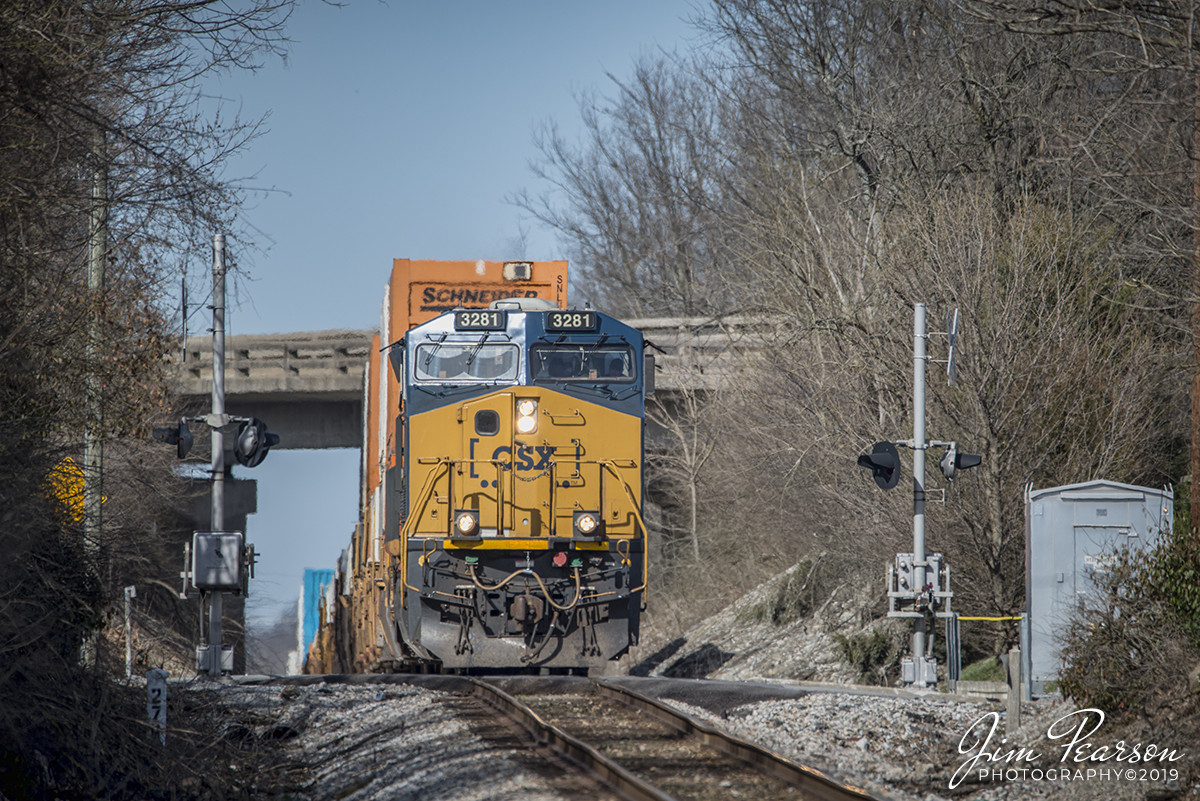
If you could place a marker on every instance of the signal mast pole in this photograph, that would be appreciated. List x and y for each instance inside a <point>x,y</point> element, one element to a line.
<point>216,560</point>
<point>216,599</point>
<point>919,445</point>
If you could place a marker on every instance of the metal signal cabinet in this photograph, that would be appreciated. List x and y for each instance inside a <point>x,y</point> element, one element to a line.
<point>1071,535</point>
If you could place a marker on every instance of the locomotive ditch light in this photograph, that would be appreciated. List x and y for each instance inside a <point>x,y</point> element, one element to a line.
<point>588,525</point>
<point>527,415</point>
<point>884,463</point>
<point>953,461</point>
<point>466,524</point>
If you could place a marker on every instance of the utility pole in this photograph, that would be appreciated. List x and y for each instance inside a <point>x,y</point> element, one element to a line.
<point>1194,489</point>
<point>93,444</point>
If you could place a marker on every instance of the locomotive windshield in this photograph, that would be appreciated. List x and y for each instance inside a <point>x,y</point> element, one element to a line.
<point>607,363</point>
<point>466,362</point>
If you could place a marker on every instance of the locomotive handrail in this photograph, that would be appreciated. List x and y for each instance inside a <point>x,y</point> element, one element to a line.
<point>557,418</point>
<point>430,482</point>
<point>612,467</point>
<point>406,532</point>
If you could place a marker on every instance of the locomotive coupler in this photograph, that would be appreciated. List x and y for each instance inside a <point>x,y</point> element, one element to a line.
<point>526,610</point>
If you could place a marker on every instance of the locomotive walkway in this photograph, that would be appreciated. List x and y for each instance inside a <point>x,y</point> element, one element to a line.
<point>308,386</point>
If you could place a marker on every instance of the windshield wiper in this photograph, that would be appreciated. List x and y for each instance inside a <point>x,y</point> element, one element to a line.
<point>435,349</point>
<point>450,389</point>
<point>475,350</point>
<point>595,345</point>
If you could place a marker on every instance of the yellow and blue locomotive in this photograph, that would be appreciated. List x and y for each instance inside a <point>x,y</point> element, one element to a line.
<point>508,530</point>
<point>522,541</point>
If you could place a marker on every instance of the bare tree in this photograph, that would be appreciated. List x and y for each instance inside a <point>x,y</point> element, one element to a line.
<point>1058,381</point>
<point>837,168</point>
<point>681,466</point>
<point>873,155</point>
<point>1136,141</point>
<point>637,201</point>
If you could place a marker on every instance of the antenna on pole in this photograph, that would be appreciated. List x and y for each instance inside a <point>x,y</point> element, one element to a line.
<point>183,321</point>
<point>952,333</point>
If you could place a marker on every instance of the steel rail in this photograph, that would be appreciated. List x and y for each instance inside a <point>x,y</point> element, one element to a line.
<point>608,771</point>
<point>811,781</point>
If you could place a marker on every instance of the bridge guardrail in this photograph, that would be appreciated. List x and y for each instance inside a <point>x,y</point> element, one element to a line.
<point>318,363</point>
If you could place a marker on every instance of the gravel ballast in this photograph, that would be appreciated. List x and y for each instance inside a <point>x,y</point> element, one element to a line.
<point>396,741</point>
<point>341,742</point>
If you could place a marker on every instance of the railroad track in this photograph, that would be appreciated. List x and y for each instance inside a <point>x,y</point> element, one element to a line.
<point>648,751</point>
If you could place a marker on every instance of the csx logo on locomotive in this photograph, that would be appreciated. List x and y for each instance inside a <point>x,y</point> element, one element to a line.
<point>528,457</point>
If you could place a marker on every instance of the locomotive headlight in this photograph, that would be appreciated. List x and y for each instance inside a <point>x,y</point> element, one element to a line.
<point>587,524</point>
<point>526,415</point>
<point>466,523</point>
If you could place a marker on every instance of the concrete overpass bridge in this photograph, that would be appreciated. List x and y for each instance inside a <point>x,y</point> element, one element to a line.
<point>308,386</point>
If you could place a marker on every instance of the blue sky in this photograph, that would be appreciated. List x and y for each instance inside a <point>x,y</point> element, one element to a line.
<point>395,131</point>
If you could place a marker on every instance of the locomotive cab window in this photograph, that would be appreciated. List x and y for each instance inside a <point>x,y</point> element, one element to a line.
<point>603,363</point>
<point>466,362</point>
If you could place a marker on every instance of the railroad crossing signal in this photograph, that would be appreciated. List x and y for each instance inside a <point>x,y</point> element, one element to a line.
<point>954,461</point>
<point>253,441</point>
<point>884,463</point>
<point>919,669</point>
<point>249,448</point>
<point>180,437</point>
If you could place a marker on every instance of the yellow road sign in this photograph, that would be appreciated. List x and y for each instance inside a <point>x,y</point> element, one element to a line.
<point>66,483</point>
